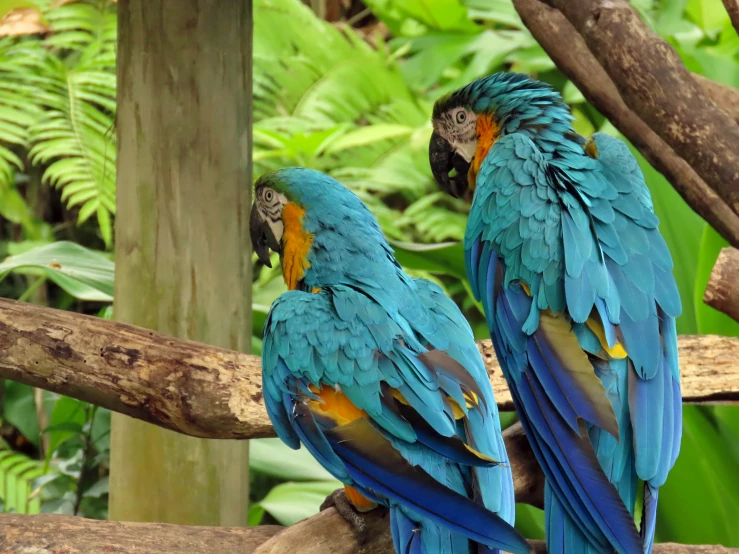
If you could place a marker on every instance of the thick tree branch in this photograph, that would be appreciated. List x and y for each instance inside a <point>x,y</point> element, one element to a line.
<point>326,533</point>
<point>724,96</point>
<point>655,84</point>
<point>722,292</point>
<point>46,534</point>
<point>732,6</point>
<point>205,391</point>
<point>569,51</point>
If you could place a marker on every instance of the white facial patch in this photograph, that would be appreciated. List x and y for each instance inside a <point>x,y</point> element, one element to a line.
<point>270,204</point>
<point>459,131</point>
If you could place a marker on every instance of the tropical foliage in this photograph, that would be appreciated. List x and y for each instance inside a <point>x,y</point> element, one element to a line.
<point>353,101</point>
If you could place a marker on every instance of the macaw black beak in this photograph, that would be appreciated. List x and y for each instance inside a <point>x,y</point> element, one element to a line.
<point>445,160</point>
<point>262,237</point>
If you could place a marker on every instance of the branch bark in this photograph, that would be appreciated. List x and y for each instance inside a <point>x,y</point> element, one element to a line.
<point>310,537</point>
<point>655,84</point>
<point>47,534</point>
<point>570,53</point>
<point>722,292</point>
<point>724,96</point>
<point>732,7</point>
<point>205,391</point>
<point>325,533</point>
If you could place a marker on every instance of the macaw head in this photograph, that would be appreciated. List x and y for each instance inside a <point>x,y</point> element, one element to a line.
<point>321,229</point>
<point>468,121</point>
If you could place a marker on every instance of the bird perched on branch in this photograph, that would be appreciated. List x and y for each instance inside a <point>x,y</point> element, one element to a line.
<point>563,250</point>
<point>378,375</point>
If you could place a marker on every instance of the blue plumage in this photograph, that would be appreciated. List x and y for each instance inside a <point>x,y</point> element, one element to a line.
<point>572,221</point>
<point>421,433</point>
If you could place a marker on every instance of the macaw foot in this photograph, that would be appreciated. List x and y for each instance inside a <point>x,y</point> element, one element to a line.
<point>344,506</point>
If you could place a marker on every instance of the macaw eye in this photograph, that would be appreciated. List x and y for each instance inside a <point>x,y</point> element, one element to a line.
<point>461,117</point>
<point>268,195</point>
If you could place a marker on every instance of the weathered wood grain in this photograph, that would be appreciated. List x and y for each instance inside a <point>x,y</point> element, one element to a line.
<point>205,391</point>
<point>55,534</point>
<point>183,257</point>
<point>722,291</point>
<point>325,533</point>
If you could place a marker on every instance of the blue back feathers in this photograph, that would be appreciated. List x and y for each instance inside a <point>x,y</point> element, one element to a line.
<point>573,222</point>
<point>378,336</point>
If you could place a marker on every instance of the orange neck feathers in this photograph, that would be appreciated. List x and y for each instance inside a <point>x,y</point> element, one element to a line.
<point>296,243</point>
<point>487,134</point>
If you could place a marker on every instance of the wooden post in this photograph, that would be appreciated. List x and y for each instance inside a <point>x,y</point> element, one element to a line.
<point>183,262</point>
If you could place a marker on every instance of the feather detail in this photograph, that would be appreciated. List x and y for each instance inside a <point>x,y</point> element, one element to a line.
<point>374,464</point>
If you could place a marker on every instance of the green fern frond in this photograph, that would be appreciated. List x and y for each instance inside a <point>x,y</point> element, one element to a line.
<point>312,79</point>
<point>16,112</point>
<point>17,473</point>
<point>74,137</point>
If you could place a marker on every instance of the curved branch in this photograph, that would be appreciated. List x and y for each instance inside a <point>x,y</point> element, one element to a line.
<point>568,50</point>
<point>722,291</point>
<point>655,84</point>
<point>732,7</point>
<point>724,96</point>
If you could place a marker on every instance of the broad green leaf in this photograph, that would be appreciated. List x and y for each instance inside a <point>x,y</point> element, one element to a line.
<point>67,420</point>
<point>530,521</point>
<point>368,135</point>
<point>264,292</point>
<point>19,409</point>
<point>13,207</point>
<point>440,15</point>
<point>290,502</point>
<point>434,55</point>
<point>83,273</point>
<point>495,11</point>
<point>582,123</point>
<point>446,258</point>
<point>698,504</point>
<point>530,60</point>
<point>670,16</point>
<point>256,513</point>
<point>98,489</point>
<point>708,14</point>
<point>273,457</point>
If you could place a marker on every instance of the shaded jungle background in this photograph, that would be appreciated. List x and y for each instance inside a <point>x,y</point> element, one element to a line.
<point>347,88</point>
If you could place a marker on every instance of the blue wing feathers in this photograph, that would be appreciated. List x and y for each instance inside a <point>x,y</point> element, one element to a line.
<point>582,234</point>
<point>340,337</point>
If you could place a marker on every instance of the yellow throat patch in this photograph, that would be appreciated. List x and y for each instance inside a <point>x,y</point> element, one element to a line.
<point>296,243</point>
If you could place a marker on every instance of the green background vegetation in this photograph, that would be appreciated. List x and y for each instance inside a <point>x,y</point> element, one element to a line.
<point>354,102</point>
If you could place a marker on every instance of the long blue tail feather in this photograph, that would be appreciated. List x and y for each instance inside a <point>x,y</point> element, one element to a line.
<point>384,471</point>
<point>649,516</point>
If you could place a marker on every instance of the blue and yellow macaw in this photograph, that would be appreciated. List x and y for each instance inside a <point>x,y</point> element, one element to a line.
<point>378,374</point>
<point>562,249</point>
